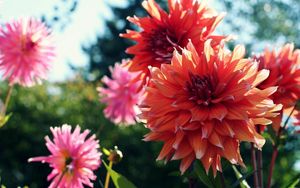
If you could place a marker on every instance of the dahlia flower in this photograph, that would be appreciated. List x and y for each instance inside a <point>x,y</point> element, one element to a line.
<point>162,32</point>
<point>203,106</point>
<point>25,52</point>
<point>284,67</point>
<point>73,157</point>
<point>122,94</point>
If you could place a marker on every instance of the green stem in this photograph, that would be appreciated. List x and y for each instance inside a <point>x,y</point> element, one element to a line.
<point>108,175</point>
<point>7,99</point>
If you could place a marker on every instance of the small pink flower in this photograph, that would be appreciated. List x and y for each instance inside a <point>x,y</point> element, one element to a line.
<point>73,157</point>
<point>26,52</point>
<point>122,94</point>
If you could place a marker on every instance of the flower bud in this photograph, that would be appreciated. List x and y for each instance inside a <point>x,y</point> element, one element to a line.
<point>115,155</point>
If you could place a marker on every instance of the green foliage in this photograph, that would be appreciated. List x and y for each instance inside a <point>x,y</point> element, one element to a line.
<point>200,171</point>
<point>119,180</point>
<point>241,179</point>
<point>294,183</point>
<point>257,22</point>
<point>3,120</point>
<point>75,102</point>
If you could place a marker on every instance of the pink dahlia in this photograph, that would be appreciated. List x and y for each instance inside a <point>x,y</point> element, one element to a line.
<point>26,51</point>
<point>122,94</point>
<point>73,157</point>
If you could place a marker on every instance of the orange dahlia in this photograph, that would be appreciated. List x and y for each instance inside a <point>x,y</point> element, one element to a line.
<point>284,67</point>
<point>162,32</point>
<point>203,106</point>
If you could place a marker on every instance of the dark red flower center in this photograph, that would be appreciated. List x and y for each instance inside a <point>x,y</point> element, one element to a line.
<point>162,43</point>
<point>27,44</point>
<point>201,89</point>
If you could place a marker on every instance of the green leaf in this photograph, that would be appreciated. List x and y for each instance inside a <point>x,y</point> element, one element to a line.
<point>201,174</point>
<point>119,180</point>
<point>295,182</point>
<point>174,173</point>
<point>241,179</point>
<point>217,181</point>
<point>4,120</point>
<point>271,134</point>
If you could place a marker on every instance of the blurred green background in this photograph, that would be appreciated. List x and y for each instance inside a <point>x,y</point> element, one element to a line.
<point>75,101</point>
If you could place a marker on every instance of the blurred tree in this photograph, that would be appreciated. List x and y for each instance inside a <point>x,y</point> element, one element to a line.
<point>260,22</point>
<point>61,15</point>
<point>75,102</point>
<point>110,48</point>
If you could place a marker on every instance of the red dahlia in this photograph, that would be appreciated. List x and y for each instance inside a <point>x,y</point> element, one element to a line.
<point>284,67</point>
<point>162,32</point>
<point>203,106</point>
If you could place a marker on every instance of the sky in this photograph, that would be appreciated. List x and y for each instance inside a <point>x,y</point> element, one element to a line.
<point>86,23</point>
